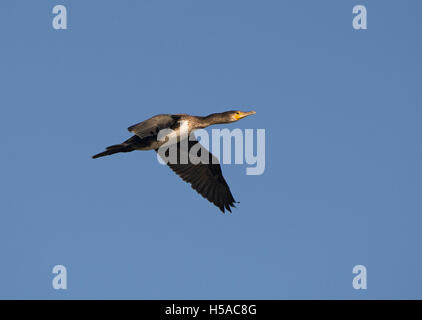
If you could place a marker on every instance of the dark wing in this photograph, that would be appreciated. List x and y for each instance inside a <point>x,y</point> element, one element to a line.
<point>153,125</point>
<point>206,178</point>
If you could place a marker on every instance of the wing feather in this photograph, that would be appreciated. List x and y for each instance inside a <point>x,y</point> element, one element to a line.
<point>206,179</point>
<point>152,126</point>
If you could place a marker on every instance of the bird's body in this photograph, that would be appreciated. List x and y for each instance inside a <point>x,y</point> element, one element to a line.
<point>206,178</point>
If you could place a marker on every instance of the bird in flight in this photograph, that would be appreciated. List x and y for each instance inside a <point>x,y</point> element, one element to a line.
<point>205,177</point>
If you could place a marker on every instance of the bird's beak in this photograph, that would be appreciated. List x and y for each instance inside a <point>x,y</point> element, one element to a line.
<point>244,114</point>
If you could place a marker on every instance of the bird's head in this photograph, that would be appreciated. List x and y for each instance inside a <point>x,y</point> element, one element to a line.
<point>225,117</point>
<point>237,115</point>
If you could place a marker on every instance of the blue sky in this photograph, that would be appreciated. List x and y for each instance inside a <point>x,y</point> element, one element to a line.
<point>342,185</point>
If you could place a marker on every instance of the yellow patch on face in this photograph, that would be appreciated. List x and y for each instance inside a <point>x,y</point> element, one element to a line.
<point>239,115</point>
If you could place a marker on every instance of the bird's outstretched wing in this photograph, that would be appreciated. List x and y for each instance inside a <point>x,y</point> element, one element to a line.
<point>206,178</point>
<point>152,126</point>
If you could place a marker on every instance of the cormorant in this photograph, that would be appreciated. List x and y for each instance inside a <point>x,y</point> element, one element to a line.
<point>206,178</point>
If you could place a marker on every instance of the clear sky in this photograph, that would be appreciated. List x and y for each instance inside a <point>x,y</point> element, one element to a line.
<point>343,179</point>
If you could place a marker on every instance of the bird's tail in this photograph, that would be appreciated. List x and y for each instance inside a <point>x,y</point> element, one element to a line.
<point>123,147</point>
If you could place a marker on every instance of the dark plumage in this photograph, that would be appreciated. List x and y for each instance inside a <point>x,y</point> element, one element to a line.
<point>206,178</point>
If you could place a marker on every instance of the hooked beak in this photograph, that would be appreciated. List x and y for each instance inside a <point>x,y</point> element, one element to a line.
<point>244,114</point>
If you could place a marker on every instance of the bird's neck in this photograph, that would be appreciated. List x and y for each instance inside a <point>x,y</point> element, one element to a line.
<point>213,118</point>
